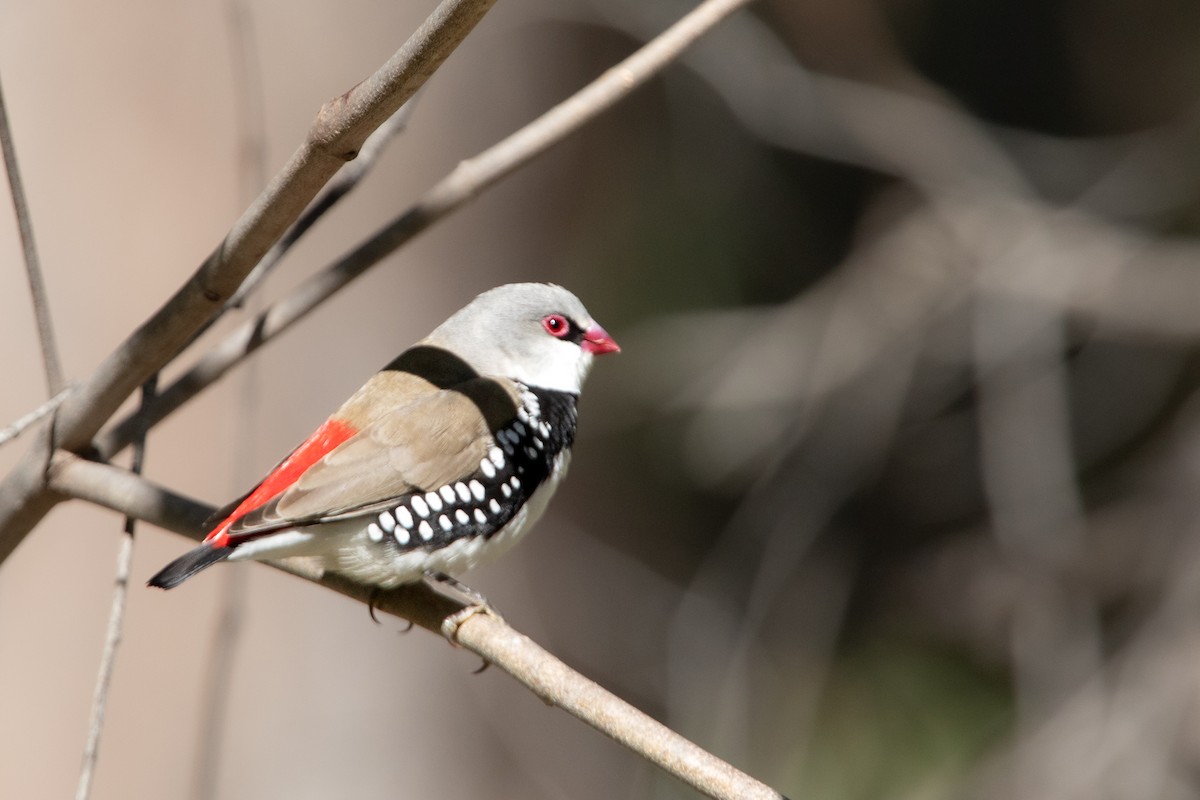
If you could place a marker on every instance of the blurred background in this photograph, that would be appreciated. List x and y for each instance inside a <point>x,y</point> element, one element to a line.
<point>891,493</point>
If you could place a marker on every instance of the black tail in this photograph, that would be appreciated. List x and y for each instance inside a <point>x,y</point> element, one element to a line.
<point>188,565</point>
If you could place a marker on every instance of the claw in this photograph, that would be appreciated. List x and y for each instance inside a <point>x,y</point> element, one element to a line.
<point>371,606</point>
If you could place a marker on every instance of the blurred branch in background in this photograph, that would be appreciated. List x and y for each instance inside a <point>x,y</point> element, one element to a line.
<point>996,338</point>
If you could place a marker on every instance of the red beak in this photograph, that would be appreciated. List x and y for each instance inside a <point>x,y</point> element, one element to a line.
<point>596,341</point>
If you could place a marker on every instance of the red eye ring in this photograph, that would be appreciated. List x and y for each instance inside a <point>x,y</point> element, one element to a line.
<point>556,325</point>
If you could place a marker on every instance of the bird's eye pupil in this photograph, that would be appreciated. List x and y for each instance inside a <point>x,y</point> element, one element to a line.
<point>555,325</point>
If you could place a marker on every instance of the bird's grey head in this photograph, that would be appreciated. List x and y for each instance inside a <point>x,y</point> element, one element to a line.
<point>537,333</point>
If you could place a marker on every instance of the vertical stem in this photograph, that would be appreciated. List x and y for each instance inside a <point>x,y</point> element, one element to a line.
<point>116,622</point>
<point>33,267</point>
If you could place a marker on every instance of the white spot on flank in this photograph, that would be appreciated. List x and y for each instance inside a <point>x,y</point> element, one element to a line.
<point>506,490</point>
<point>448,494</point>
<point>516,484</point>
<point>425,529</point>
<point>529,451</point>
<point>480,517</point>
<point>487,469</point>
<point>544,429</point>
<point>522,414</point>
<point>519,428</point>
<point>476,490</point>
<point>463,494</point>
<point>496,457</point>
<point>494,507</point>
<point>375,532</point>
<point>462,517</point>
<point>405,517</point>
<point>508,448</point>
<point>434,501</point>
<point>402,535</point>
<point>387,521</point>
<point>538,443</point>
<point>445,522</point>
<point>420,507</point>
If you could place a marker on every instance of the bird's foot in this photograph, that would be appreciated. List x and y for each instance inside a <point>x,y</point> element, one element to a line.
<point>476,603</point>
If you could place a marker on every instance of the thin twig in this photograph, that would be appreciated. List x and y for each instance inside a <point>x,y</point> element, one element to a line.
<point>335,137</point>
<point>112,641</point>
<point>33,267</point>
<point>483,634</point>
<point>116,623</point>
<point>464,183</point>
<point>18,426</point>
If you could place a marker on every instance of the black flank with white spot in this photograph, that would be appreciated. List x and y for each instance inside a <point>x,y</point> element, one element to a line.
<point>484,502</point>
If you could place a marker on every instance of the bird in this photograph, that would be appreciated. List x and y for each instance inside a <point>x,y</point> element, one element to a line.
<point>440,462</point>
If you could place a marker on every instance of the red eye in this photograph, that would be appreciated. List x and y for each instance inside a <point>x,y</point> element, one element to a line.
<point>556,325</point>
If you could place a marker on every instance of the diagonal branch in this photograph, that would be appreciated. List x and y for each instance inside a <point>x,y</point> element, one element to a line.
<point>340,129</point>
<point>346,180</point>
<point>470,178</point>
<point>482,633</point>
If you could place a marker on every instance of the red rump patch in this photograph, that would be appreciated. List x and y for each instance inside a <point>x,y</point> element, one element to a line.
<point>331,433</point>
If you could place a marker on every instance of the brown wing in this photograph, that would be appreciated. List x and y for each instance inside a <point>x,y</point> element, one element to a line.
<point>437,438</point>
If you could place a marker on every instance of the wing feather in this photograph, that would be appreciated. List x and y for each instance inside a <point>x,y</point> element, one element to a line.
<point>437,438</point>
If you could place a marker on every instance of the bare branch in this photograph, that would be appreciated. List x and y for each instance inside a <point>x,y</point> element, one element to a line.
<point>483,634</point>
<point>346,180</point>
<point>340,129</point>
<point>464,183</point>
<point>251,335</point>
<point>561,686</point>
<point>33,267</point>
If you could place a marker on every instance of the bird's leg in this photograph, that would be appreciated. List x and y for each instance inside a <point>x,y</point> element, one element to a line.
<point>455,588</point>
